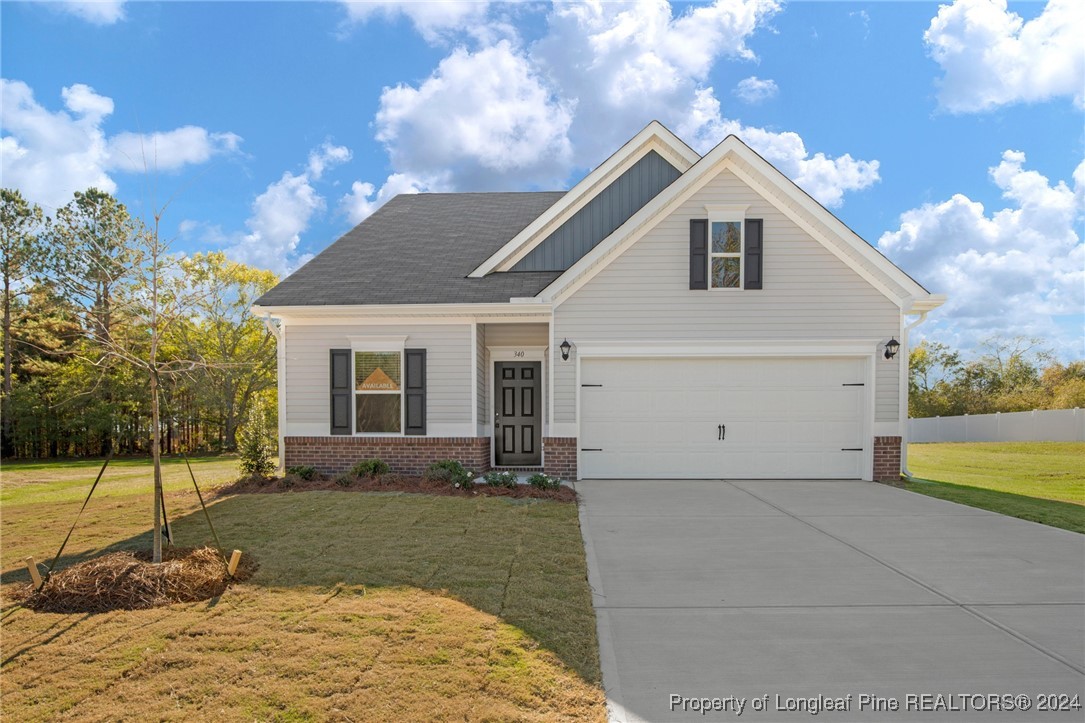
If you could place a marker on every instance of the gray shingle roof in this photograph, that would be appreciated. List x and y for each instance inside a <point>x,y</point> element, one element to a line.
<point>418,249</point>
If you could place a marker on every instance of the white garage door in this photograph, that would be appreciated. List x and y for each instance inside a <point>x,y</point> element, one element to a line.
<point>710,418</point>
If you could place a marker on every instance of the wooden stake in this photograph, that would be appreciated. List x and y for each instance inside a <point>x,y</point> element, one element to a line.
<point>34,574</point>
<point>234,559</point>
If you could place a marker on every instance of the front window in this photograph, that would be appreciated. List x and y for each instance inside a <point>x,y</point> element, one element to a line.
<point>377,392</point>
<point>725,255</point>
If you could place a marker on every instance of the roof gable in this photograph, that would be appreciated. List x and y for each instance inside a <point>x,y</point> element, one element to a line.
<point>608,210</point>
<point>654,137</point>
<point>734,155</point>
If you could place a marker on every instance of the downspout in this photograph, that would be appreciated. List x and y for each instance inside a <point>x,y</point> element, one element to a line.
<point>280,381</point>
<point>905,352</point>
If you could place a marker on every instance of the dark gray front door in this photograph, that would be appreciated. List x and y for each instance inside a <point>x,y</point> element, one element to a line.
<point>517,413</point>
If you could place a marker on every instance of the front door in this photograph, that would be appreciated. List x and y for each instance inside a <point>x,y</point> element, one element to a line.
<point>517,413</point>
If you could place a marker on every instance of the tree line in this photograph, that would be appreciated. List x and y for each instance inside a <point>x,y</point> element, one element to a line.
<point>105,330</point>
<point>1007,375</point>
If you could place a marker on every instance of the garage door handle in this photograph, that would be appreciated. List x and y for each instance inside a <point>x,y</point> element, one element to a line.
<point>721,429</point>
<point>851,449</point>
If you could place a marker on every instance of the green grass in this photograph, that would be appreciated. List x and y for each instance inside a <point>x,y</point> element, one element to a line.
<point>1039,481</point>
<point>365,607</point>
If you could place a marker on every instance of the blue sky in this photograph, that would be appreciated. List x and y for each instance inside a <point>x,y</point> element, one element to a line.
<point>950,136</point>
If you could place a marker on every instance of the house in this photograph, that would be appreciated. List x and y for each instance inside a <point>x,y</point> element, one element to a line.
<point>671,316</point>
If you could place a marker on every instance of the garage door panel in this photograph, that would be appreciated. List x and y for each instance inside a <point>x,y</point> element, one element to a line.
<point>785,418</point>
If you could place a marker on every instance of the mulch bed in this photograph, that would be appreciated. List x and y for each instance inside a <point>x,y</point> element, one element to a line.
<point>390,483</point>
<point>130,581</point>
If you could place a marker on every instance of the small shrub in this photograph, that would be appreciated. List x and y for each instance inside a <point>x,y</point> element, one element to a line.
<point>544,481</point>
<point>369,468</point>
<point>345,480</point>
<point>451,471</point>
<point>305,471</point>
<point>502,479</point>
<point>288,482</point>
<point>255,443</point>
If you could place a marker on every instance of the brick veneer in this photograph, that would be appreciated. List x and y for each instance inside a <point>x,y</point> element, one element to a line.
<point>887,460</point>
<point>408,455</point>
<point>559,457</point>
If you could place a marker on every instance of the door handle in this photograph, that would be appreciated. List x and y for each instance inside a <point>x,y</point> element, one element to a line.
<point>721,431</point>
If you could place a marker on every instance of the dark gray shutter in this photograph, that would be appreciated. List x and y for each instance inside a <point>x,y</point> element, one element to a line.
<point>698,253</point>
<point>415,391</point>
<point>754,252</point>
<point>340,391</point>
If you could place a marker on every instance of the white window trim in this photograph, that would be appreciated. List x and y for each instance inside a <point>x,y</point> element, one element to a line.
<point>727,214</point>
<point>373,344</point>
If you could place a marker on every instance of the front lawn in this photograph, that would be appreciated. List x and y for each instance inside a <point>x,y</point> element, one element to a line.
<point>1039,481</point>
<point>366,606</point>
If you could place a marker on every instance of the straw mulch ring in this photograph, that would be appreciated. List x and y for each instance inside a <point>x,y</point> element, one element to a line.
<point>130,581</point>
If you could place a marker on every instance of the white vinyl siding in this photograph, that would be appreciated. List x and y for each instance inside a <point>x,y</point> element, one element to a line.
<point>644,295</point>
<point>448,374</point>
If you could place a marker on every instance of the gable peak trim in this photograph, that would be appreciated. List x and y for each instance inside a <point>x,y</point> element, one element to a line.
<point>653,137</point>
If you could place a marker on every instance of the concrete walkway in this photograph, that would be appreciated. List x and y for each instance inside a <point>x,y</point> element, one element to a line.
<point>743,589</point>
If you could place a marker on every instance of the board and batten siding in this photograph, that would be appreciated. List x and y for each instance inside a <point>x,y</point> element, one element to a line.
<point>644,295</point>
<point>448,374</point>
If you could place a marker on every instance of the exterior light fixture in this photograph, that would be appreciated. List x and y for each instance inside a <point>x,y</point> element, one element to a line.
<point>565,347</point>
<point>891,347</point>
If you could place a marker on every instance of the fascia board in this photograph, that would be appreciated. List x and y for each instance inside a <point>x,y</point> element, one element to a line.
<point>413,311</point>
<point>653,137</point>
<point>838,227</point>
<point>889,292</point>
<point>925,304</point>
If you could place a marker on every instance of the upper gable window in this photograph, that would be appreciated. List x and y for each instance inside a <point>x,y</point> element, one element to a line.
<point>726,246</point>
<point>725,254</point>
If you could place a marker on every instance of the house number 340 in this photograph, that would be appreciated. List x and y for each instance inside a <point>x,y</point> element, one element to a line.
<point>518,354</point>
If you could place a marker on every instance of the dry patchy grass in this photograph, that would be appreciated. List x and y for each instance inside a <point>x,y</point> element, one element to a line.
<point>365,607</point>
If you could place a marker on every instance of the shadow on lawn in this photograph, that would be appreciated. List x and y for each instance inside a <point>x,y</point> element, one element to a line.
<point>521,560</point>
<point>1065,515</point>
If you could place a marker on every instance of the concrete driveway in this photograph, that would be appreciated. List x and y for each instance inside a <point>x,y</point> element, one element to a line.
<point>731,591</point>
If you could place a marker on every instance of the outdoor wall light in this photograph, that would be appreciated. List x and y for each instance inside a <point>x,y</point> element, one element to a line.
<point>565,347</point>
<point>891,347</point>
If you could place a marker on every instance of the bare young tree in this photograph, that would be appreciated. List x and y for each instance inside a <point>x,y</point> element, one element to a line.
<point>149,290</point>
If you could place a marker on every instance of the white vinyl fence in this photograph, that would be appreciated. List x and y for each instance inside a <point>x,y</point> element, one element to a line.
<point>1043,425</point>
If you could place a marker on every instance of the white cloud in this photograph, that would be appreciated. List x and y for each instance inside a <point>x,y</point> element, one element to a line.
<point>753,90</point>
<point>485,117</point>
<point>82,99</point>
<point>1013,271</point>
<point>284,211</point>
<point>511,117</point>
<point>325,157</point>
<point>432,18</point>
<point>49,155</point>
<point>507,116</point>
<point>167,151</point>
<point>991,57</point>
<point>826,179</point>
<point>98,12</point>
<point>279,216</point>
<point>364,198</point>
<point>624,64</point>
